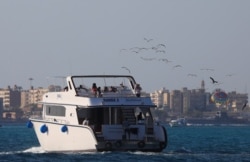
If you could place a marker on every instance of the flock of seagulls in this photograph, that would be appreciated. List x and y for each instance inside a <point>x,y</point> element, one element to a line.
<point>157,52</point>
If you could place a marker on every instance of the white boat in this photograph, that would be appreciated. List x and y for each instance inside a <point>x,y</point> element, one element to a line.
<point>178,122</point>
<point>85,119</point>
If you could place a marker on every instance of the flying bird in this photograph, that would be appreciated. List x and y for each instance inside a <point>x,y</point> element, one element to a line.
<point>160,51</point>
<point>161,45</point>
<point>135,51</point>
<point>192,75</point>
<point>147,59</point>
<point>214,81</point>
<point>229,75</point>
<point>126,68</point>
<point>164,60</point>
<point>245,104</point>
<point>176,66</point>
<point>207,69</point>
<point>148,40</point>
<point>123,50</point>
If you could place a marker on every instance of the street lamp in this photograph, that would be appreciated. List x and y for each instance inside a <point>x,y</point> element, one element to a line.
<point>31,79</point>
<point>32,91</point>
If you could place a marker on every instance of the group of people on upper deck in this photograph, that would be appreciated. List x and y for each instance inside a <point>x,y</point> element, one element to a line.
<point>97,90</point>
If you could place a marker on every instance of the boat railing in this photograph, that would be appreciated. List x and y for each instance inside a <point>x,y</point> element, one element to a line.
<point>36,117</point>
<point>54,120</point>
<point>48,119</point>
<point>118,92</point>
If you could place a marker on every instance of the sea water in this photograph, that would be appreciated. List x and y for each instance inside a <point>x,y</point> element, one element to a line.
<point>191,143</point>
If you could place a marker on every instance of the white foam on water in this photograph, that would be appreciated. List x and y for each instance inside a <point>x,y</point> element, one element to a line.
<point>36,150</point>
<point>30,150</point>
<point>147,153</point>
<point>8,153</point>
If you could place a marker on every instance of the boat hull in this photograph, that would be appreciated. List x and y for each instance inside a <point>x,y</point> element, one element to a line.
<point>58,137</point>
<point>55,139</point>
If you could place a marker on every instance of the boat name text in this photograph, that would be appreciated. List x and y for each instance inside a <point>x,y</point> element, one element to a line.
<point>111,100</point>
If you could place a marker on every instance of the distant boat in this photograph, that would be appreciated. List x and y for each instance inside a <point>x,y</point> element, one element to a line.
<point>95,114</point>
<point>178,122</point>
<point>220,118</point>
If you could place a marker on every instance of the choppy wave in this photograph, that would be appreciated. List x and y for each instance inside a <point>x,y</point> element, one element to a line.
<point>34,150</point>
<point>212,125</point>
<point>182,154</point>
<point>202,143</point>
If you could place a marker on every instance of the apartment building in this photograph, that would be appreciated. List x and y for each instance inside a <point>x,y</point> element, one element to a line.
<point>36,94</point>
<point>236,100</point>
<point>161,98</point>
<point>176,101</point>
<point>11,98</point>
<point>185,100</point>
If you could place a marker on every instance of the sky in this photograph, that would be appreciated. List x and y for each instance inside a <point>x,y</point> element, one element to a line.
<point>162,43</point>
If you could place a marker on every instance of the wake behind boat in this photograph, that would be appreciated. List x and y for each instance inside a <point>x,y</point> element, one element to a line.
<point>180,122</point>
<point>95,114</point>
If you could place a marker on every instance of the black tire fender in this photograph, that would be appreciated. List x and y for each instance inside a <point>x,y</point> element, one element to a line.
<point>108,145</point>
<point>162,145</point>
<point>118,144</point>
<point>141,144</point>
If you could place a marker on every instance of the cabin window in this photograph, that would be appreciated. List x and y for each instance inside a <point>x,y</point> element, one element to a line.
<point>55,110</point>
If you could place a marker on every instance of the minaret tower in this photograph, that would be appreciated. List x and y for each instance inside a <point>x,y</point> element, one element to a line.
<point>203,84</point>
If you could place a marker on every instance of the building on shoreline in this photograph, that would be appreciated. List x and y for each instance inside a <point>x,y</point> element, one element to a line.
<point>194,102</point>
<point>16,103</point>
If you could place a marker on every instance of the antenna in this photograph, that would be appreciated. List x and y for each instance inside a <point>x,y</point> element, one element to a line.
<point>104,80</point>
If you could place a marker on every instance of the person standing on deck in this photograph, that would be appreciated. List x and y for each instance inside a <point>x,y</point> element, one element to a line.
<point>125,125</point>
